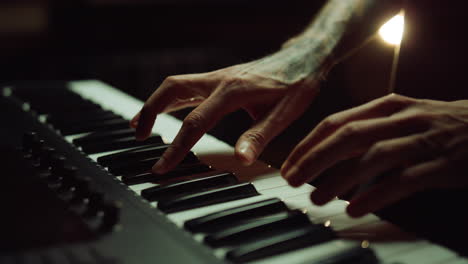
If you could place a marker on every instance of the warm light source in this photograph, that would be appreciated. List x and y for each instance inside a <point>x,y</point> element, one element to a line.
<point>392,31</point>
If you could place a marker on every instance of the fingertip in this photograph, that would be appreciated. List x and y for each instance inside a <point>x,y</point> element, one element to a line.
<point>244,160</point>
<point>319,199</point>
<point>293,177</point>
<point>160,167</point>
<point>245,153</point>
<point>355,211</point>
<point>294,182</point>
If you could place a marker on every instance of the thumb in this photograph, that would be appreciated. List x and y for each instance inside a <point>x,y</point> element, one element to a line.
<point>253,141</point>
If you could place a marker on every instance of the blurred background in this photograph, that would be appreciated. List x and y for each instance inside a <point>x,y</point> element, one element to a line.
<point>134,44</point>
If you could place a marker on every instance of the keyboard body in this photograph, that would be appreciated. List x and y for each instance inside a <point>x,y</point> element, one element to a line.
<point>141,233</point>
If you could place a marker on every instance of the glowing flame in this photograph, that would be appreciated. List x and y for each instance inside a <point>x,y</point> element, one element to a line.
<point>392,31</point>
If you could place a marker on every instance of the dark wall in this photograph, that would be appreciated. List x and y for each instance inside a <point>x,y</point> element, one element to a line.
<point>134,44</point>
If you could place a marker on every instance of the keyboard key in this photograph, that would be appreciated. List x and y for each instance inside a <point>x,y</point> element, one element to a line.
<point>186,187</point>
<point>112,124</point>
<point>132,155</point>
<point>178,172</point>
<point>292,240</point>
<point>230,193</point>
<point>220,220</point>
<point>60,121</point>
<point>257,229</point>
<point>354,255</point>
<point>140,166</point>
<point>96,137</point>
<point>120,143</point>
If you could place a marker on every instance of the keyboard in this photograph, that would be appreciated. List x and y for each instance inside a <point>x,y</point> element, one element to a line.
<point>78,189</point>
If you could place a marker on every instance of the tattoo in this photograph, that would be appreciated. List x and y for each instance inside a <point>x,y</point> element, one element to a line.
<point>311,54</point>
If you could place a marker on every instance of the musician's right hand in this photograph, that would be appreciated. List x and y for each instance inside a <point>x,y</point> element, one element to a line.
<point>272,95</point>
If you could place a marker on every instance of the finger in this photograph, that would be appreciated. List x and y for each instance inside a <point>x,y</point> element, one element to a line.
<point>181,103</point>
<point>155,104</point>
<point>252,142</point>
<point>330,179</point>
<point>382,157</point>
<point>381,107</point>
<point>194,126</point>
<point>173,90</point>
<point>398,187</point>
<point>349,141</point>
<point>134,121</point>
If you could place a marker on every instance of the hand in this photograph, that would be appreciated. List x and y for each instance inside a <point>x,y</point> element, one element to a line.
<point>416,144</point>
<point>270,98</point>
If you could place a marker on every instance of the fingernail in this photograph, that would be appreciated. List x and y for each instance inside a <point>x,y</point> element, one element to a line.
<point>159,167</point>
<point>245,149</point>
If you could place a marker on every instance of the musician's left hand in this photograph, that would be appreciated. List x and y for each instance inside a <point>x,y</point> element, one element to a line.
<point>417,144</point>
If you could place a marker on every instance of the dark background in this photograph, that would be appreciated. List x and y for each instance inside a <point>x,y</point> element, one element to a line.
<point>134,45</point>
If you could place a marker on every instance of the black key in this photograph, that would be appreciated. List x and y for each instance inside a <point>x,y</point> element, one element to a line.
<point>258,229</point>
<point>186,187</point>
<point>292,240</point>
<point>76,110</point>
<point>119,143</point>
<point>80,118</point>
<point>112,124</point>
<point>175,173</point>
<point>226,194</point>
<point>96,137</point>
<point>132,155</point>
<point>140,166</point>
<point>356,255</point>
<point>223,219</point>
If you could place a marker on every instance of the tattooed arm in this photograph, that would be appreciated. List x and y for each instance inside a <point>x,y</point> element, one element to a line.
<point>274,90</point>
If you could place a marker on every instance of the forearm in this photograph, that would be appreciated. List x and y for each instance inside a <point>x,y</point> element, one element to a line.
<point>340,26</point>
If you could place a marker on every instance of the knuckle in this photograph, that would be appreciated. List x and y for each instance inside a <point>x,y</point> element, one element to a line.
<point>350,130</point>
<point>256,137</point>
<point>233,86</point>
<point>396,101</point>
<point>397,98</point>
<point>171,80</point>
<point>194,121</point>
<point>330,122</point>
<point>231,80</point>
<point>378,149</point>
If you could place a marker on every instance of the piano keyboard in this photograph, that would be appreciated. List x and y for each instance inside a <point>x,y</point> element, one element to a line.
<point>210,209</point>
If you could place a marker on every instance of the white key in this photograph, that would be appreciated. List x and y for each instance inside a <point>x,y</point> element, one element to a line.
<point>310,254</point>
<point>430,254</point>
<point>458,260</point>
